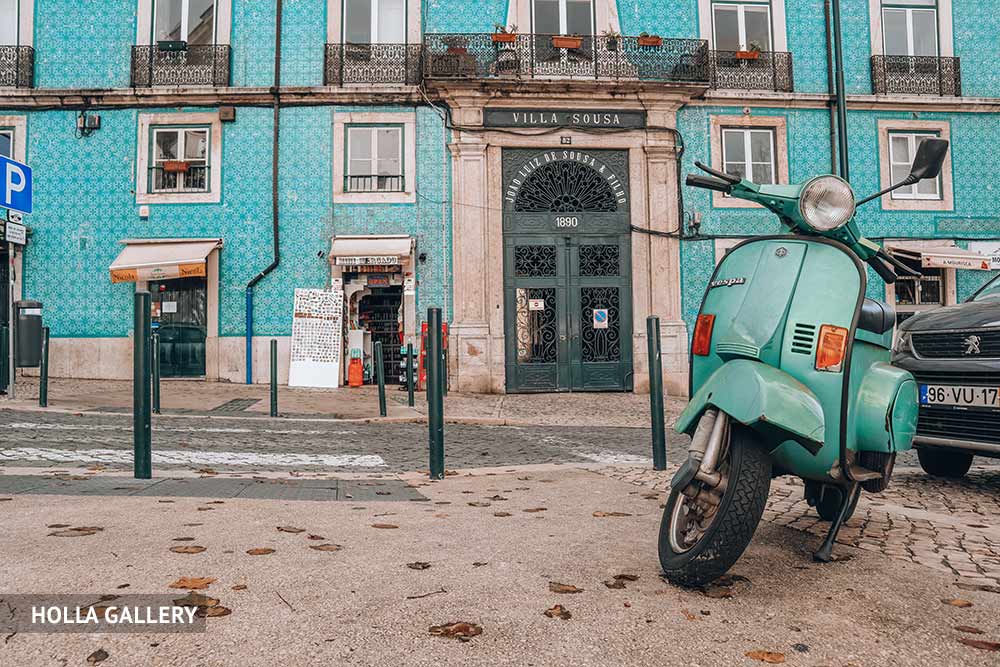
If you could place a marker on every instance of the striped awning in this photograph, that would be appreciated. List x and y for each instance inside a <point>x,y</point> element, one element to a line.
<point>156,259</point>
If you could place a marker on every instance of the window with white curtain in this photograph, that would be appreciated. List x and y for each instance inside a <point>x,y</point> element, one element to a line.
<point>749,153</point>
<point>9,22</point>
<point>902,149</point>
<point>563,17</point>
<point>374,159</point>
<point>739,26</point>
<point>375,21</point>
<point>180,159</point>
<point>191,21</point>
<point>910,28</point>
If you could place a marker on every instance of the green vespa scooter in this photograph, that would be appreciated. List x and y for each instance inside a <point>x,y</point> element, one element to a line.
<point>789,374</point>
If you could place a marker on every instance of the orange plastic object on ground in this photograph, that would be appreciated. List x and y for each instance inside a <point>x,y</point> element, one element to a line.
<point>355,373</point>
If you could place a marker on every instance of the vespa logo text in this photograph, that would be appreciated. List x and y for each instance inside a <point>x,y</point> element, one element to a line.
<point>727,282</point>
<point>972,344</point>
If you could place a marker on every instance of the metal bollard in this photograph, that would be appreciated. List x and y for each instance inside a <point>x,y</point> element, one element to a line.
<point>656,393</point>
<point>444,369</point>
<point>274,377</point>
<point>4,362</point>
<point>43,379</point>
<point>155,355</point>
<point>142,420</point>
<point>409,374</point>
<point>435,401</point>
<point>380,377</point>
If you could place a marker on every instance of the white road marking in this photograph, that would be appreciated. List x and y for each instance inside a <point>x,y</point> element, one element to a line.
<point>194,458</point>
<point>35,426</point>
<point>615,458</point>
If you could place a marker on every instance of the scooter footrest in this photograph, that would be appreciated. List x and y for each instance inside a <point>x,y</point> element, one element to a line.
<point>859,474</point>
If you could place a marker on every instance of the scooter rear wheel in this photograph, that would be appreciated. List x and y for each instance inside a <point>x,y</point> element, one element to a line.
<point>717,546</point>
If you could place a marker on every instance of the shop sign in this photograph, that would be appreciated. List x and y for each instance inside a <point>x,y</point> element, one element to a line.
<point>15,233</point>
<point>378,280</point>
<point>377,260</point>
<point>970,263</point>
<point>989,249</point>
<point>583,118</point>
<point>159,273</point>
<point>600,318</point>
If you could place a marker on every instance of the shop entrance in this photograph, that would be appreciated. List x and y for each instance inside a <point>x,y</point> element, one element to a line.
<point>380,314</point>
<point>567,271</point>
<point>180,317</point>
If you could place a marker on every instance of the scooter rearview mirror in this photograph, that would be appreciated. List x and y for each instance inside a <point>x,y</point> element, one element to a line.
<point>930,157</point>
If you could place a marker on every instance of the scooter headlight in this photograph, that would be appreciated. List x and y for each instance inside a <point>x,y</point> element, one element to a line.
<point>827,203</point>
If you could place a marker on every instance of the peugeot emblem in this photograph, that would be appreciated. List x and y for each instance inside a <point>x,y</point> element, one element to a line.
<point>972,344</point>
<point>781,251</point>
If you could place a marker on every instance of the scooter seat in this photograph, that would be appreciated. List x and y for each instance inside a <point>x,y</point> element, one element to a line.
<point>876,316</point>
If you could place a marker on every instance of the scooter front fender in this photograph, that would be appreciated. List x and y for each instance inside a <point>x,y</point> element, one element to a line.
<point>767,399</point>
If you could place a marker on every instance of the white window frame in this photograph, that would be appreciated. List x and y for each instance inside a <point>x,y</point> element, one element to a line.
<point>942,129</point>
<point>748,163</point>
<point>741,22</point>
<point>25,23</point>
<point>604,12</point>
<point>341,122</point>
<point>912,138</point>
<point>779,33</point>
<point>336,21</point>
<point>564,17</point>
<point>186,19</point>
<point>181,133</point>
<point>147,122</point>
<point>909,11</point>
<point>376,38</point>
<point>223,22</point>
<point>355,133</point>
<point>945,38</point>
<point>778,124</point>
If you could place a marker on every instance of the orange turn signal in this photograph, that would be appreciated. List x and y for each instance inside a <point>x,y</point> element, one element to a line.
<point>701,345</point>
<point>832,348</point>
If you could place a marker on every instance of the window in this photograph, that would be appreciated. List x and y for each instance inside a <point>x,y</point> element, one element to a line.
<point>916,294</point>
<point>563,17</point>
<point>375,21</point>
<point>190,21</point>
<point>749,153</point>
<point>180,160</point>
<point>988,292</point>
<point>910,28</point>
<point>6,142</point>
<point>902,149</point>
<point>374,159</point>
<point>741,26</point>
<point>9,23</point>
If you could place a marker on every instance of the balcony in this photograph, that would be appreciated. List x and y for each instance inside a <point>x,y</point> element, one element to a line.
<point>17,67</point>
<point>179,177</point>
<point>916,75</point>
<point>480,56</point>
<point>180,64</point>
<point>372,64</point>
<point>749,70</point>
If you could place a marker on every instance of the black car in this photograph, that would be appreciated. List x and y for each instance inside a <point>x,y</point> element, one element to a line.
<point>954,354</point>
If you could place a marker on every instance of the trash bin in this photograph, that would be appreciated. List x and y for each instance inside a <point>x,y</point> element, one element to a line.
<point>28,334</point>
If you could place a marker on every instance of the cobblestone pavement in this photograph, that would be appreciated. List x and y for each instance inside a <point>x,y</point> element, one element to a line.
<point>949,526</point>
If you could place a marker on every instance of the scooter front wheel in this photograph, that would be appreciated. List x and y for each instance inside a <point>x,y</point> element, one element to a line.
<point>702,534</point>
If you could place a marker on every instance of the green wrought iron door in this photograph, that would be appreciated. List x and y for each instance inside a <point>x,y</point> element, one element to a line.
<point>567,278</point>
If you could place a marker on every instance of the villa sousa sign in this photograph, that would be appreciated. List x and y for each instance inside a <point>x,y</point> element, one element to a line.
<point>581,118</point>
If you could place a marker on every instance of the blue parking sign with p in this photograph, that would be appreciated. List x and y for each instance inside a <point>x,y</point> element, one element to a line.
<point>15,185</point>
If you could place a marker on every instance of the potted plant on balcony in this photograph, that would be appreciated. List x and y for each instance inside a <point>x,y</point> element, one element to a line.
<point>567,41</point>
<point>612,38</point>
<point>753,53</point>
<point>645,39</point>
<point>175,167</point>
<point>456,45</point>
<point>504,34</point>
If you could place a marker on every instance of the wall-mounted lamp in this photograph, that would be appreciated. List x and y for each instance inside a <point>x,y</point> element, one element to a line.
<point>86,124</point>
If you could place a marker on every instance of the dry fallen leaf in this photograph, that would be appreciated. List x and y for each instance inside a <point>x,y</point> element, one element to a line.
<point>627,577</point>
<point>957,602</point>
<point>980,644</point>
<point>239,587</point>
<point>384,525</point>
<point>770,657</point>
<point>968,629</point>
<point>501,514</point>
<point>688,615</point>
<point>193,599</point>
<point>315,537</point>
<point>556,587</point>
<point>616,584</point>
<point>418,565</point>
<point>479,564</point>
<point>325,547</point>
<point>187,549</point>
<point>536,509</point>
<point>601,515</point>
<point>558,611</point>
<point>478,504</point>
<point>260,551</point>
<point>460,629</point>
<point>213,611</point>
<point>58,525</point>
<point>291,529</point>
<point>192,583</point>
<point>97,657</point>
<point>183,539</point>
<point>79,531</point>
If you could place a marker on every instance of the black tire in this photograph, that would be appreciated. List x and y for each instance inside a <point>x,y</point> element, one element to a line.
<point>944,462</point>
<point>732,529</point>
<point>828,502</point>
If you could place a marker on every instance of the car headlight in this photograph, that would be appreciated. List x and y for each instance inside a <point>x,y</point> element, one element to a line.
<point>827,203</point>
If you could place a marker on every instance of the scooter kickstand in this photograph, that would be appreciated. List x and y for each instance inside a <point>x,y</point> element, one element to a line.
<point>825,553</point>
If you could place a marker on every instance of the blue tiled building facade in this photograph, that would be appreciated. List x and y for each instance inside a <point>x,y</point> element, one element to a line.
<point>424,159</point>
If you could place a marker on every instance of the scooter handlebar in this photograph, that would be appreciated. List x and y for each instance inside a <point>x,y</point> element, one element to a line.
<point>884,270</point>
<point>708,183</point>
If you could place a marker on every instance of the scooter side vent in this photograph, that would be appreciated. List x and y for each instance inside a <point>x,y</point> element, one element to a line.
<point>803,338</point>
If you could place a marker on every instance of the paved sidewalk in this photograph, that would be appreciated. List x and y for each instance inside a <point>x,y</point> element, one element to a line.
<point>222,399</point>
<point>495,542</point>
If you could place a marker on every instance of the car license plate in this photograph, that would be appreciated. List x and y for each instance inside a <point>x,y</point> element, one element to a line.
<point>973,397</point>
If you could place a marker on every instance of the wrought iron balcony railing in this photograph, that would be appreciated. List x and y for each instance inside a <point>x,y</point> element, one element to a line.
<point>17,66</point>
<point>190,65</point>
<point>481,56</point>
<point>748,70</point>
<point>373,183</point>
<point>916,75</point>
<point>372,64</point>
<point>169,179</point>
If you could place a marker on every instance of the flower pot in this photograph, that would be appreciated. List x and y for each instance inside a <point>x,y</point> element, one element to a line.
<point>565,42</point>
<point>458,50</point>
<point>504,37</point>
<point>748,55</point>
<point>175,167</point>
<point>650,40</point>
<point>612,43</point>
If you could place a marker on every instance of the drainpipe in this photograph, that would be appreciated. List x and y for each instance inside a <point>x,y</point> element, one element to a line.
<point>274,192</point>
<point>841,98</point>
<point>830,88</point>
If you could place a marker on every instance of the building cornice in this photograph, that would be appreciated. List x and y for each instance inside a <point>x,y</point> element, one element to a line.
<point>756,98</point>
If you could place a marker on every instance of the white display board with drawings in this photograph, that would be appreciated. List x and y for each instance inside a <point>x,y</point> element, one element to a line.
<point>989,249</point>
<point>317,338</point>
